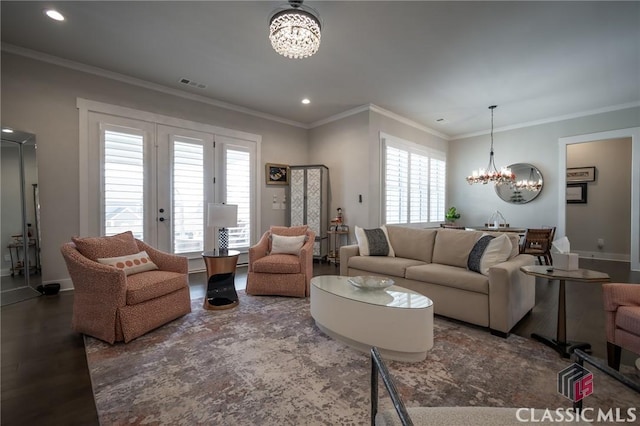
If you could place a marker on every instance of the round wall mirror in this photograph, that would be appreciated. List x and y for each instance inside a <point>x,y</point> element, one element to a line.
<point>527,187</point>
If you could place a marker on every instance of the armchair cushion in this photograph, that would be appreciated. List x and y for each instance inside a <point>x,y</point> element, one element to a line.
<point>278,264</point>
<point>130,264</point>
<point>628,319</point>
<point>153,284</point>
<point>103,247</point>
<point>281,244</point>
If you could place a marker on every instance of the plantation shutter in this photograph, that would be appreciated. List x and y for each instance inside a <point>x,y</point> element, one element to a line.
<point>123,183</point>
<point>414,183</point>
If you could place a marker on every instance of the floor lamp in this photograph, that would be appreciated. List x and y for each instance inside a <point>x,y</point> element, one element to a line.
<point>222,216</point>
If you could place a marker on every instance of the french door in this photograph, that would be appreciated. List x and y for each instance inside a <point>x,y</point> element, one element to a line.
<point>185,185</point>
<point>157,180</point>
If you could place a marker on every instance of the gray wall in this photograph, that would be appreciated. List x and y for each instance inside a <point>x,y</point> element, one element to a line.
<point>350,147</point>
<point>607,213</point>
<point>537,145</point>
<point>40,98</point>
<point>343,147</point>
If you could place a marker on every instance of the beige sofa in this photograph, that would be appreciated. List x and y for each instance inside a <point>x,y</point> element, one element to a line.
<point>433,262</point>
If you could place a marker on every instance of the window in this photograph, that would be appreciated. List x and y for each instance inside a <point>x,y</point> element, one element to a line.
<point>123,183</point>
<point>414,182</point>
<point>188,197</point>
<point>238,191</point>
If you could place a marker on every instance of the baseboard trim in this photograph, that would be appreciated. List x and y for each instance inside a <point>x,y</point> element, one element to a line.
<point>617,257</point>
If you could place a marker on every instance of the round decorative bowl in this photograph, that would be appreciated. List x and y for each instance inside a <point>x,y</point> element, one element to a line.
<point>370,282</point>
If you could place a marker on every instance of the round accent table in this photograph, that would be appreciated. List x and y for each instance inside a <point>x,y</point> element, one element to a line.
<point>397,320</point>
<point>221,273</point>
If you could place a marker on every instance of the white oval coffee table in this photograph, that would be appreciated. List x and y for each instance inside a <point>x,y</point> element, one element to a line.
<point>397,320</point>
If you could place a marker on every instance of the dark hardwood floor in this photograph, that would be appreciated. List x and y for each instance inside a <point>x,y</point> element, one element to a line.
<point>45,379</point>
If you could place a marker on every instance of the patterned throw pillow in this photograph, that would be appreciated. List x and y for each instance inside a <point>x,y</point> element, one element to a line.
<point>287,245</point>
<point>100,247</point>
<point>487,252</point>
<point>131,264</point>
<point>374,242</point>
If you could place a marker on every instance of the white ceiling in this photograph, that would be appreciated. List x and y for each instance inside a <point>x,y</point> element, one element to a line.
<point>425,61</point>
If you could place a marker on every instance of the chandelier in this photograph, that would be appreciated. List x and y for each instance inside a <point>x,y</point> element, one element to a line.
<point>491,173</point>
<point>295,32</point>
<point>530,184</point>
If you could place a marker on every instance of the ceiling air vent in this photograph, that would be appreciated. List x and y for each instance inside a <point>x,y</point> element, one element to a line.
<point>192,83</point>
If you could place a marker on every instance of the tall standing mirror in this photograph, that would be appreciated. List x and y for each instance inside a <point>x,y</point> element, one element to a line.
<point>20,273</point>
<point>527,186</point>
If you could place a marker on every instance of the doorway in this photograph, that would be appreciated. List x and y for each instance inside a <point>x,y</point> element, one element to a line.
<point>634,220</point>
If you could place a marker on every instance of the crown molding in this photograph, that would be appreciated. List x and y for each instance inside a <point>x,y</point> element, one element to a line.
<point>381,111</point>
<point>408,122</point>
<point>339,116</point>
<point>551,120</point>
<point>55,60</point>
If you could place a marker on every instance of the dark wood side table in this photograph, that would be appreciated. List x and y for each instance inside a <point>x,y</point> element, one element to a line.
<point>221,272</point>
<point>560,343</point>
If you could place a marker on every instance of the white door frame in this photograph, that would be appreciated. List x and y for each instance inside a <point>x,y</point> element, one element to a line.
<point>634,134</point>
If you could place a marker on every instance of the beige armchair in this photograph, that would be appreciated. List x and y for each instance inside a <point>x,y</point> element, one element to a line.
<point>281,274</point>
<point>622,309</point>
<point>112,304</point>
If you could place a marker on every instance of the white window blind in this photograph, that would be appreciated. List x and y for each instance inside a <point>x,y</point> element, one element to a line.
<point>188,197</point>
<point>414,186</point>
<point>123,180</point>
<point>238,191</point>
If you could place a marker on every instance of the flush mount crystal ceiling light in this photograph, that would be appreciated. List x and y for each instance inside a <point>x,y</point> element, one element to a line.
<point>294,30</point>
<point>491,173</point>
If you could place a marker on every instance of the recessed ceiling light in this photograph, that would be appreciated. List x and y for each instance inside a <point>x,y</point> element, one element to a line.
<point>306,101</point>
<point>5,130</point>
<point>54,14</point>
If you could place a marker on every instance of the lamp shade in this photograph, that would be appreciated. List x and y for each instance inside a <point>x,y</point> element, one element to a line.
<point>222,215</point>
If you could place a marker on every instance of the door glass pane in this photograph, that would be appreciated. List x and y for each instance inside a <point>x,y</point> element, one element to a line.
<point>238,191</point>
<point>188,197</point>
<point>123,183</point>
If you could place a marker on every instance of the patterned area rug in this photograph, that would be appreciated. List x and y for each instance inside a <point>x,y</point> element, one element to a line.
<point>266,363</point>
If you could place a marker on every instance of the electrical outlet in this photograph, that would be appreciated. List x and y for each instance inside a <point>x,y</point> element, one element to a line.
<point>600,243</point>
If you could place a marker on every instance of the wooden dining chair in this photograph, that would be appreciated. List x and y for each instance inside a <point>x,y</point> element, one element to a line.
<point>537,242</point>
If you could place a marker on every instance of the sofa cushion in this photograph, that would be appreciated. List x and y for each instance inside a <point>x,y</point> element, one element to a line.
<point>102,247</point>
<point>277,264</point>
<point>515,241</point>
<point>153,284</point>
<point>374,242</point>
<point>450,276</point>
<point>452,246</point>
<point>412,243</point>
<point>130,264</point>
<point>487,252</point>
<point>388,266</point>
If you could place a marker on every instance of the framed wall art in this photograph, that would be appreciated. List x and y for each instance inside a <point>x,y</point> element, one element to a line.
<point>581,174</point>
<point>577,193</point>
<point>277,174</point>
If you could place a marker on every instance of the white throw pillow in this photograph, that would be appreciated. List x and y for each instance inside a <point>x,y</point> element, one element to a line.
<point>131,264</point>
<point>496,251</point>
<point>286,245</point>
<point>374,242</point>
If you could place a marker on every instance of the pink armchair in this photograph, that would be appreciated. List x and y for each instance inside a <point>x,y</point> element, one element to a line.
<point>113,306</point>
<point>281,274</point>
<point>622,309</point>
